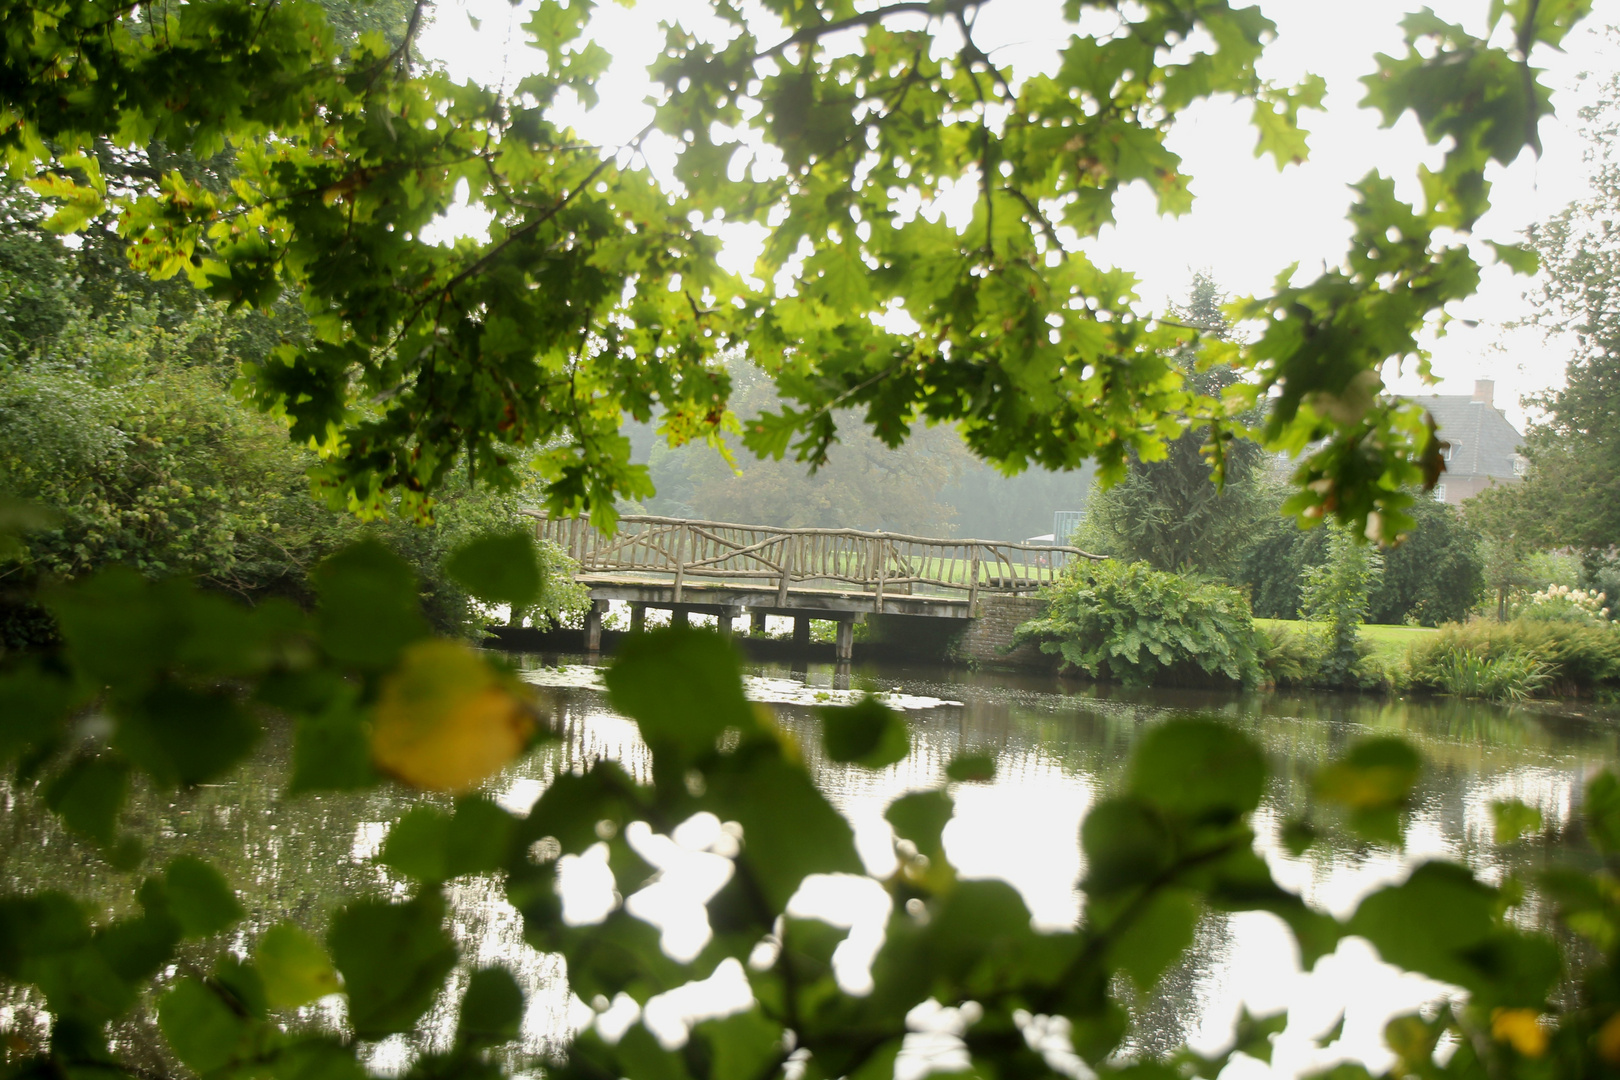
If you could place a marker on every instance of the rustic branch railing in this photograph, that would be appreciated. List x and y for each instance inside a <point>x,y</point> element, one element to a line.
<point>759,554</point>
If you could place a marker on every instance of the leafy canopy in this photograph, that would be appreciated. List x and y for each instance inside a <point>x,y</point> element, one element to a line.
<point>596,295</point>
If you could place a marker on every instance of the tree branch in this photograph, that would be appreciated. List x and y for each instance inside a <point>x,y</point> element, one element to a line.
<point>865,18</point>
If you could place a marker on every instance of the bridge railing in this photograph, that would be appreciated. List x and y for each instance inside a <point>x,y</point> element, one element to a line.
<point>651,546</point>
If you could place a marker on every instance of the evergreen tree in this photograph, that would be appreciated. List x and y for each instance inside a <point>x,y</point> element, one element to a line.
<point>1168,512</point>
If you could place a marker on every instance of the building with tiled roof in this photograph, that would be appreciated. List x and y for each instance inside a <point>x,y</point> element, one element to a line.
<point>1485,447</point>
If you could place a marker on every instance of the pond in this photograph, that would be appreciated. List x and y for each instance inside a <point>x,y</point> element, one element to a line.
<point>1059,747</point>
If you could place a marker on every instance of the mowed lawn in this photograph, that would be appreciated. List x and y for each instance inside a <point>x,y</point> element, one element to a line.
<point>1386,639</point>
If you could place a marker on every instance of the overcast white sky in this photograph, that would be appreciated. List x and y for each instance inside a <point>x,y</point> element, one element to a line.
<point>1249,221</point>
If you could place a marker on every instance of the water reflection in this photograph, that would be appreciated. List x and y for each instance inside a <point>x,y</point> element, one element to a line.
<point>1058,748</point>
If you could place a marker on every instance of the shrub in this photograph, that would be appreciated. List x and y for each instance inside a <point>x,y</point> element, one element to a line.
<point>1139,625</point>
<point>1336,594</point>
<point>1288,658</point>
<point>1560,603</point>
<point>1295,659</point>
<point>1574,656</point>
<point>1510,676</point>
<point>155,464</point>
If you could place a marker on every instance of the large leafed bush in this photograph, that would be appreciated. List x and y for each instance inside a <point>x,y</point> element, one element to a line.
<point>1143,626</point>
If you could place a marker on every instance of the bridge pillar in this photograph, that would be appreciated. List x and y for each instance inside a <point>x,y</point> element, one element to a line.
<point>638,618</point>
<point>801,631</point>
<point>844,643</point>
<point>593,626</point>
<point>722,622</point>
<point>756,623</point>
<point>678,617</point>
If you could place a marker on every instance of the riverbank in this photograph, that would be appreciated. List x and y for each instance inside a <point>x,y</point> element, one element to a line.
<point>1513,661</point>
<point>1502,661</point>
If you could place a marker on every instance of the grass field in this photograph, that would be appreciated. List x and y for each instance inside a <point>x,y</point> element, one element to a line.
<point>1389,640</point>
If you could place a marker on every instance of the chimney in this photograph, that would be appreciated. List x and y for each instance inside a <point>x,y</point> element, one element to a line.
<point>1485,390</point>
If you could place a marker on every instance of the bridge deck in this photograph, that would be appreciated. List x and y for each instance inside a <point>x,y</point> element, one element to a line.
<point>764,597</point>
<point>725,568</point>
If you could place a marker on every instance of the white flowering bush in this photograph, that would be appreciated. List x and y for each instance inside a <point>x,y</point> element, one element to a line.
<point>1560,603</point>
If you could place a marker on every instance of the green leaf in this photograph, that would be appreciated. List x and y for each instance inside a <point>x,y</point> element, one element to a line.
<point>971,767</point>
<point>491,1009</point>
<point>18,518</point>
<point>1430,921</point>
<point>332,748</point>
<point>199,897</point>
<point>89,794</point>
<point>572,807</point>
<point>621,955</point>
<point>202,1030</point>
<point>367,608</point>
<point>416,845</point>
<point>500,568</point>
<point>1298,835</point>
<point>641,1057</point>
<point>1279,135</point>
<point>1519,258</point>
<point>294,968</point>
<point>138,947</point>
<point>393,958</point>
<point>1126,844</point>
<point>320,1058</point>
<point>790,830</point>
<point>480,837</point>
<point>432,846</point>
<point>742,1046</point>
<point>242,986</point>
<point>682,688</point>
<point>1513,819</point>
<point>981,934</point>
<point>1198,769</point>
<point>182,736</point>
<point>119,630</point>
<point>1377,773</point>
<point>1254,1035</point>
<point>867,733</point>
<point>1156,937</point>
<point>33,704</point>
<point>921,818</point>
<point>37,926</point>
<point>1601,810</point>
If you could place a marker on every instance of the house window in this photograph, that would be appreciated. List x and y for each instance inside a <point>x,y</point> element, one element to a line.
<point>1439,493</point>
<point>1521,464</point>
<point>1451,451</point>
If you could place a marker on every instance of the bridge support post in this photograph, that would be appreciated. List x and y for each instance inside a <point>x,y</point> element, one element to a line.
<point>638,618</point>
<point>801,631</point>
<point>756,623</point>
<point>723,622</point>
<point>678,617</point>
<point>844,643</point>
<point>593,626</point>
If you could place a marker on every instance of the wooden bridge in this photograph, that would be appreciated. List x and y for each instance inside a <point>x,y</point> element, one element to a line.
<point>721,568</point>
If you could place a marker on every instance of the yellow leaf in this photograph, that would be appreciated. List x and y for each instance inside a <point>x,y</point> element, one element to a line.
<point>1608,1040</point>
<point>1521,1028</point>
<point>446,720</point>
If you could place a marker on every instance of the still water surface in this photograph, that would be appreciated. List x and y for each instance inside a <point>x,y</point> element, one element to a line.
<point>1059,748</point>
